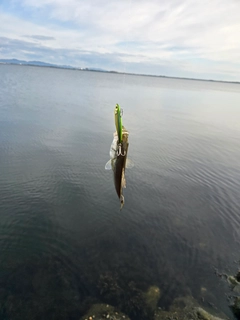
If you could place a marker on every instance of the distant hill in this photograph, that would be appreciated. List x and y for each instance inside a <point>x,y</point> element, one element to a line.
<point>34,63</point>
<point>45,64</point>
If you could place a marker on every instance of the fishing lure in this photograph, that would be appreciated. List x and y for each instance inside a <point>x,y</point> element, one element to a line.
<point>118,155</point>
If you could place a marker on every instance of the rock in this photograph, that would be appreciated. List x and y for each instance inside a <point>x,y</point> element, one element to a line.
<point>185,308</point>
<point>152,297</point>
<point>101,311</point>
<point>236,307</point>
<point>236,289</point>
<point>202,314</point>
<point>233,281</point>
<point>238,276</point>
<point>203,290</point>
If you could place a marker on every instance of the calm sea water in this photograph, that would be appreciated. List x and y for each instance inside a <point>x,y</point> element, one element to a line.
<point>61,231</point>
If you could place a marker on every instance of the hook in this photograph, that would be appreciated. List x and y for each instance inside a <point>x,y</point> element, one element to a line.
<point>119,151</point>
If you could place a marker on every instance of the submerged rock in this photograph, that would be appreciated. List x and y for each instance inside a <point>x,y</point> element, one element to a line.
<point>233,281</point>
<point>234,284</point>
<point>127,297</point>
<point>152,296</point>
<point>101,311</point>
<point>238,276</point>
<point>236,307</point>
<point>185,309</point>
<point>203,314</point>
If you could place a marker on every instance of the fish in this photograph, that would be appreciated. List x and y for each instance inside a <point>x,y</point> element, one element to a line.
<point>118,155</point>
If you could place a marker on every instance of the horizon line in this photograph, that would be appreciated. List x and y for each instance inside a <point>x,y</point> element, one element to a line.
<point>36,63</point>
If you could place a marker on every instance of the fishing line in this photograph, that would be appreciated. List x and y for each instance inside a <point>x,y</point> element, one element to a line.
<point>127,40</point>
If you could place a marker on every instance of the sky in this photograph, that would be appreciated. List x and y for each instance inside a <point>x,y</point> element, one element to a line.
<point>182,38</point>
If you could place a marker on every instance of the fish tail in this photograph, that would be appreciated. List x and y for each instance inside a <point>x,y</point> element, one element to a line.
<point>122,201</point>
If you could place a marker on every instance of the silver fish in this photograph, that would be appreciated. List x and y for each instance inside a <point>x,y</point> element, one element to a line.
<point>118,162</point>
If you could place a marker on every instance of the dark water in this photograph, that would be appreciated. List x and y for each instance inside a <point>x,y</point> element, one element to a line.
<point>61,232</point>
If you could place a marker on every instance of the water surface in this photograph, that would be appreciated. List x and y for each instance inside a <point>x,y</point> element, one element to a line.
<point>61,230</point>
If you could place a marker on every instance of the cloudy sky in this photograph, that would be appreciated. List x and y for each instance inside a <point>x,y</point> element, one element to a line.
<point>188,38</point>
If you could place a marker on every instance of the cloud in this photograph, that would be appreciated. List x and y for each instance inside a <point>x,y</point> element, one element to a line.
<point>191,36</point>
<point>39,37</point>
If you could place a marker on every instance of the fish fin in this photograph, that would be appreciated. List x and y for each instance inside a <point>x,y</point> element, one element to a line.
<point>129,164</point>
<point>108,165</point>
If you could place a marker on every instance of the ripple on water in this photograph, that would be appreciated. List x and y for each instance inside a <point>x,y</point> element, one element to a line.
<point>59,209</point>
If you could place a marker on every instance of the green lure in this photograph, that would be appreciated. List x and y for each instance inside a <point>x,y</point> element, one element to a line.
<point>118,122</point>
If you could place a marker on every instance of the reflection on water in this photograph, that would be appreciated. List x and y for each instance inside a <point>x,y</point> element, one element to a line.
<point>62,237</point>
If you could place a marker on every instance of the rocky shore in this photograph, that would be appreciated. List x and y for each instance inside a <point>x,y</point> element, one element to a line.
<point>110,297</point>
<point>185,308</point>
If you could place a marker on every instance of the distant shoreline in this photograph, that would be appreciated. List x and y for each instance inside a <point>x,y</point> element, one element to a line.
<point>49,65</point>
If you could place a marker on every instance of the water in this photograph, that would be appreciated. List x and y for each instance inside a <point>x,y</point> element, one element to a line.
<point>61,230</point>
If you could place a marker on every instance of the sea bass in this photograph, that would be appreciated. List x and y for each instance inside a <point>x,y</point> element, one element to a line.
<point>118,155</point>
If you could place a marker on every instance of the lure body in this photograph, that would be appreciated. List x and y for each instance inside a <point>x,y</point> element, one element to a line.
<point>118,122</point>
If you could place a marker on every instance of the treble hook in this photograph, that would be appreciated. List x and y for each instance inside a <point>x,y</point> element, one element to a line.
<point>119,151</point>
